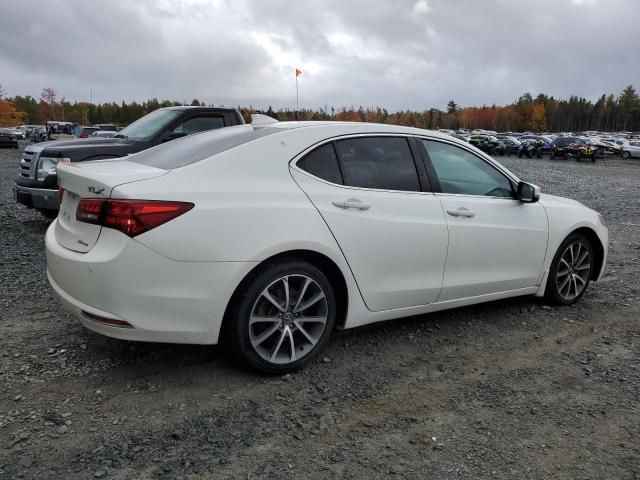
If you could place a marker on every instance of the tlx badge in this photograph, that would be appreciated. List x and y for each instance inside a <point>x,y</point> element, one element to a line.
<point>96,190</point>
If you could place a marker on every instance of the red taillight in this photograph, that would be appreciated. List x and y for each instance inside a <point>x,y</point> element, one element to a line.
<point>131,217</point>
<point>90,210</point>
<point>107,321</point>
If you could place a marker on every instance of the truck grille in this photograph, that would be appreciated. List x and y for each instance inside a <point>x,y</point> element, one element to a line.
<point>28,164</point>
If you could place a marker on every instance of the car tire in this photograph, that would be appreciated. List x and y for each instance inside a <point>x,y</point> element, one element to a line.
<point>570,270</point>
<point>282,340</point>
<point>552,156</point>
<point>626,154</point>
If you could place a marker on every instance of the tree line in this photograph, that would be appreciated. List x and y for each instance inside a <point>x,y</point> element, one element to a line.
<point>539,114</point>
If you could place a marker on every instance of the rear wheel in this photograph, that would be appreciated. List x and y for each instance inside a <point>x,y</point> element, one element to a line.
<point>570,271</point>
<point>284,317</point>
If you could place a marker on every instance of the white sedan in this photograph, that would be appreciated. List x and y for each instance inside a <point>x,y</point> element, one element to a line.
<point>267,237</point>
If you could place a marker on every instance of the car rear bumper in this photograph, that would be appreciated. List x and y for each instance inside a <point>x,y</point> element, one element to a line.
<point>40,198</point>
<point>163,300</point>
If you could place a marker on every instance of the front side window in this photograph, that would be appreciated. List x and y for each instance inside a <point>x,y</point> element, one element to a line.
<point>199,124</point>
<point>384,163</point>
<point>461,172</point>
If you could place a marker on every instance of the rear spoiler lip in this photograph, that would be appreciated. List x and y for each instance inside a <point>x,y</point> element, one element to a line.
<point>77,178</point>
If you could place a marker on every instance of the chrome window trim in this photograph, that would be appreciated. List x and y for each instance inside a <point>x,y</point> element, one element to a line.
<point>293,163</point>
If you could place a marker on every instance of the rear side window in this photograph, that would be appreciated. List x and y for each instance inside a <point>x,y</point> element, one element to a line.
<point>384,163</point>
<point>323,163</point>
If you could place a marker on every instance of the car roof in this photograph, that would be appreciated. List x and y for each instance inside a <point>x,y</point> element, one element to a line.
<point>354,127</point>
<point>197,107</point>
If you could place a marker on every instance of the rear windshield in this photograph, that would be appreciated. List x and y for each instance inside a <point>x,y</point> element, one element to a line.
<point>193,148</point>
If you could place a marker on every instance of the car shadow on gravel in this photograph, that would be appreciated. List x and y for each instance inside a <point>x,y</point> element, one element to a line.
<point>159,358</point>
<point>35,226</point>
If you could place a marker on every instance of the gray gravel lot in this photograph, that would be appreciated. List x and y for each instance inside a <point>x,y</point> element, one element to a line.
<point>512,389</point>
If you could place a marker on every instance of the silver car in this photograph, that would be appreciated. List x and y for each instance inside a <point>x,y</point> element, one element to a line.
<point>103,134</point>
<point>631,149</point>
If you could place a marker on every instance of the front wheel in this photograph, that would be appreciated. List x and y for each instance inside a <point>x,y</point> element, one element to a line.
<point>626,154</point>
<point>570,271</point>
<point>284,317</point>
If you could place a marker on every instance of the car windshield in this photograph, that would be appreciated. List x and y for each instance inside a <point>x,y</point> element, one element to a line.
<point>149,125</point>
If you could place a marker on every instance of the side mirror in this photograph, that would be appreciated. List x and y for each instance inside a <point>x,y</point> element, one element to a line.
<point>527,192</point>
<point>172,136</point>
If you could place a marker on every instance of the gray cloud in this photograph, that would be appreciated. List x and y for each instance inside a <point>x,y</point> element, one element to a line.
<point>395,53</point>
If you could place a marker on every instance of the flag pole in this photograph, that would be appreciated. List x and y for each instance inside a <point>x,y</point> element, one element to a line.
<point>297,97</point>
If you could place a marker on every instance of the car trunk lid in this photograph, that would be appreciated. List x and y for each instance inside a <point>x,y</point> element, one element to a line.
<point>95,179</point>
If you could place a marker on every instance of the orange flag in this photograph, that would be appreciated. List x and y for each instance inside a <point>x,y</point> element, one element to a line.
<point>298,72</point>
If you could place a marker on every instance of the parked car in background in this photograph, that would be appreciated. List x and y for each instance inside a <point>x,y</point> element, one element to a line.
<point>488,144</point>
<point>36,185</point>
<point>103,134</point>
<point>18,132</point>
<point>85,132</point>
<point>266,238</point>
<point>530,147</point>
<point>511,144</point>
<point>631,149</point>
<point>106,126</point>
<point>7,138</point>
<point>60,126</point>
<point>39,134</point>
<point>565,147</point>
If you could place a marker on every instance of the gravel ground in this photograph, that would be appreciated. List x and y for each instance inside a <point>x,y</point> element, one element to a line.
<point>511,389</point>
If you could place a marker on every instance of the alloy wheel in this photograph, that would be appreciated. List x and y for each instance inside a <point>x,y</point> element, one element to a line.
<point>574,269</point>
<point>288,319</point>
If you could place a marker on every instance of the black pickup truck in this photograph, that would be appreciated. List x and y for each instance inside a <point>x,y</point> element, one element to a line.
<point>36,185</point>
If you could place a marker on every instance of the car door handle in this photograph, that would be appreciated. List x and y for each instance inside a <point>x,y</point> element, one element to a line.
<point>352,203</point>
<point>461,212</point>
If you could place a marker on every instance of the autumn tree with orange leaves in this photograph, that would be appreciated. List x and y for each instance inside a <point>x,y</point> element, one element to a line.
<point>9,116</point>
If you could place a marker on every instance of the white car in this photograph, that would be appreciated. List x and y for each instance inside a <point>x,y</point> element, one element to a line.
<point>631,149</point>
<point>103,134</point>
<point>268,237</point>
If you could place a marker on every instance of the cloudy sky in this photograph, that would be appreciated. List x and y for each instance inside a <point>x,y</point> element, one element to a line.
<point>393,53</point>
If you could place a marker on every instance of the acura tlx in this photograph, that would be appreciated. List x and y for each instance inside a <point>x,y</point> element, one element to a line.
<point>266,237</point>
